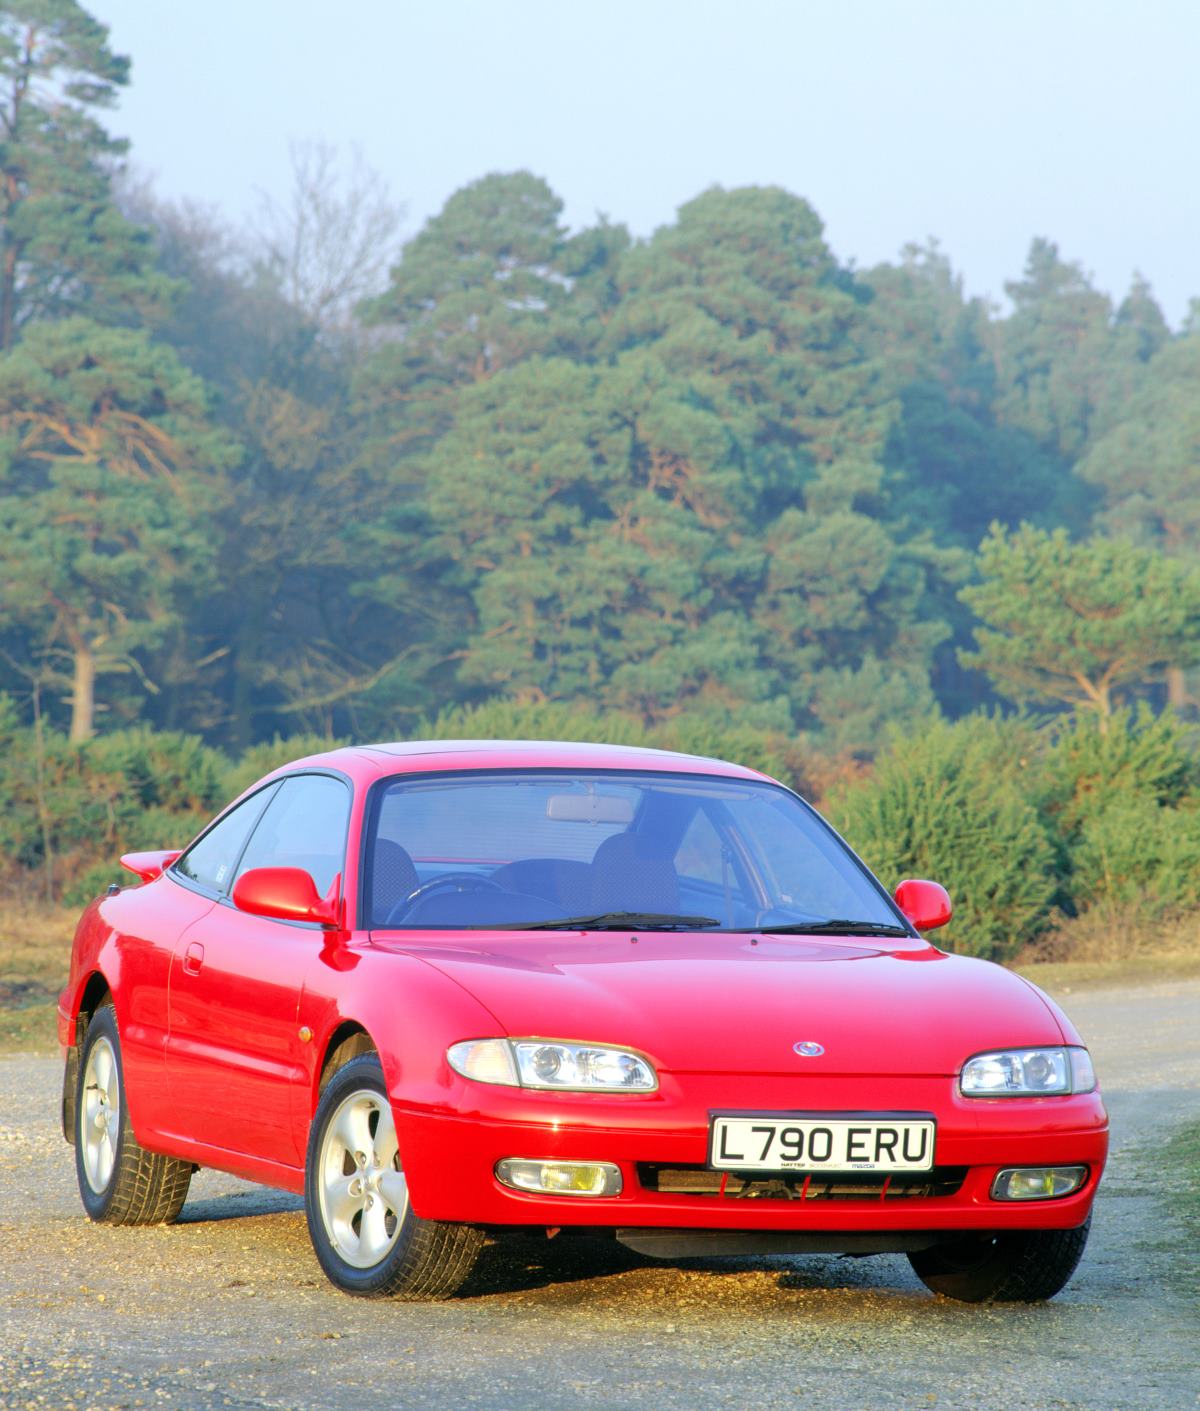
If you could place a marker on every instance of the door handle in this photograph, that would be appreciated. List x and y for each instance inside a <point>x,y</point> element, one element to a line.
<point>193,958</point>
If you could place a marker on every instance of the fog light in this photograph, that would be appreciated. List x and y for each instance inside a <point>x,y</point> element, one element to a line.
<point>1038,1182</point>
<point>560,1177</point>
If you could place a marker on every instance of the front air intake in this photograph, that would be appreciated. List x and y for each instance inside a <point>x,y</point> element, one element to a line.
<point>852,1185</point>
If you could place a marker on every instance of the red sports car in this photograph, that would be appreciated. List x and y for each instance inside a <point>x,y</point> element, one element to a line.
<point>457,989</point>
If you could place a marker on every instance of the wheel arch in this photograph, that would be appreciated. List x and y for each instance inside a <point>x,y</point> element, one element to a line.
<point>96,990</point>
<point>347,1041</point>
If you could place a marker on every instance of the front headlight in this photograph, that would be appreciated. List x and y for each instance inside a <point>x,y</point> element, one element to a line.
<point>1028,1072</point>
<point>567,1067</point>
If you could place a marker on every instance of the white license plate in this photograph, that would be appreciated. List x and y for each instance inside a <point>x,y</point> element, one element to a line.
<point>806,1141</point>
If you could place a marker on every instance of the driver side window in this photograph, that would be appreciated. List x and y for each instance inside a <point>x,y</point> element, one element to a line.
<point>304,826</point>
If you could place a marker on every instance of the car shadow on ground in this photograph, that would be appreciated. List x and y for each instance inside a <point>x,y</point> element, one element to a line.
<point>240,1205</point>
<point>520,1264</point>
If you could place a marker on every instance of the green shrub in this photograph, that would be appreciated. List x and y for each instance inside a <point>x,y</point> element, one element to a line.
<point>71,809</point>
<point>160,768</point>
<point>958,803</point>
<point>1135,852</point>
<point>1123,801</point>
<point>1132,754</point>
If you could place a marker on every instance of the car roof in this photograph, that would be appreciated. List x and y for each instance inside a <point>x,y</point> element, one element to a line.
<point>412,756</point>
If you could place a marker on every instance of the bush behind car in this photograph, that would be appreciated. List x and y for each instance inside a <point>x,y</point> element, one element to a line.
<point>1027,821</point>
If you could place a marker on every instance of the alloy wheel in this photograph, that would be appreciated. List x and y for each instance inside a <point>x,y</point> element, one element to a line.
<point>362,1191</point>
<point>100,1118</point>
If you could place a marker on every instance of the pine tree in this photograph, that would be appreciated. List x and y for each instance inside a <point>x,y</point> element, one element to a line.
<point>1140,318</point>
<point>1147,468</point>
<point>474,291</point>
<point>109,471</point>
<point>586,513</point>
<point>1080,624</point>
<point>64,247</point>
<point>1063,369</point>
<point>743,293</point>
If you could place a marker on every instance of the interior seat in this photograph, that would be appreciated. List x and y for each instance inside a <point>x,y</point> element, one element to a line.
<point>393,877</point>
<point>633,873</point>
<point>556,879</point>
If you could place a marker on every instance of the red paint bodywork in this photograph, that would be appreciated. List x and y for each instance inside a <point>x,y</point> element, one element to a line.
<point>926,904</point>
<point>284,894</point>
<point>213,1004</point>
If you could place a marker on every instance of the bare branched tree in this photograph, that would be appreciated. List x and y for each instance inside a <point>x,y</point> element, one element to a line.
<point>332,241</point>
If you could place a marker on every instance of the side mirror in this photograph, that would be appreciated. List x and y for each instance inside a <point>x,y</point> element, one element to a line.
<point>284,893</point>
<point>148,865</point>
<point>926,904</point>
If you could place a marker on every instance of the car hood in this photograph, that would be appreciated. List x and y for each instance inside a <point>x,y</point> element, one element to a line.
<point>738,1004</point>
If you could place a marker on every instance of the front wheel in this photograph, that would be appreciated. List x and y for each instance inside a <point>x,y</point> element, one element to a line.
<point>364,1231</point>
<point>1021,1266</point>
<point>120,1183</point>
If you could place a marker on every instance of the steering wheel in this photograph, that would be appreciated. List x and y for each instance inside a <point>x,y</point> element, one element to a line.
<point>452,881</point>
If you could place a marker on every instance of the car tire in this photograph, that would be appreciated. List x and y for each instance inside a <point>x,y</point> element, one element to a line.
<point>120,1182</point>
<point>1021,1266</point>
<point>366,1236</point>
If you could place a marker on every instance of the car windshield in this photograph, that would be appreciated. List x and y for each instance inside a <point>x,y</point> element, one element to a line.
<point>608,849</point>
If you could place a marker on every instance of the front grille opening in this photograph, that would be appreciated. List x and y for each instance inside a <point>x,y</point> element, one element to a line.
<point>831,1185</point>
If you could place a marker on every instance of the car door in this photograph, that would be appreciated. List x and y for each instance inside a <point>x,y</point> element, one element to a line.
<point>149,932</point>
<point>234,1055</point>
<point>147,921</point>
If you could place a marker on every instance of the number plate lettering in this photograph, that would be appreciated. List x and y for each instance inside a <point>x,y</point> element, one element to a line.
<point>815,1142</point>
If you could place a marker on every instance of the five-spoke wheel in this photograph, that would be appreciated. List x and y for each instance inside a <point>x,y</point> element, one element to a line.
<point>365,1233</point>
<point>100,1114</point>
<point>362,1190</point>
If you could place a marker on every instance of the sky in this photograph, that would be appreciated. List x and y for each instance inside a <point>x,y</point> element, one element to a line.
<point>981,123</point>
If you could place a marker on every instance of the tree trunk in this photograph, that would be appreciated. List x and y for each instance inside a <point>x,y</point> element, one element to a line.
<point>8,296</point>
<point>83,695</point>
<point>1103,706</point>
<point>1177,692</point>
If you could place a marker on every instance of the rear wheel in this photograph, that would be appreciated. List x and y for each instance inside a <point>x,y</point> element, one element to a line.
<point>1021,1266</point>
<point>120,1183</point>
<point>365,1234</point>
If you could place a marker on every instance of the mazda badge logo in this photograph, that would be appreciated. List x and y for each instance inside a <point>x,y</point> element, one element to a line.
<point>806,1048</point>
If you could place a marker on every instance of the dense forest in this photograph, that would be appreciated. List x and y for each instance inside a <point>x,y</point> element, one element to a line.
<point>713,485</point>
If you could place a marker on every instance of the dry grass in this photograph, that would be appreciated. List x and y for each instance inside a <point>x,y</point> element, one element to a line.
<point>35,951</point>
<point>1063,976</point>
<point>1111,946</point>
<point>1110,935</point>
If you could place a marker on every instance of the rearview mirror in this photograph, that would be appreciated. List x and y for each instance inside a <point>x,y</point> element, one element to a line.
<point>284,893</point>
<point>589,808</point>
<point>926,904</point>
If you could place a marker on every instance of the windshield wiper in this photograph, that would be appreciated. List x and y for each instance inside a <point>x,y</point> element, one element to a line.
<point>836,927</point>
<point>616,921</point>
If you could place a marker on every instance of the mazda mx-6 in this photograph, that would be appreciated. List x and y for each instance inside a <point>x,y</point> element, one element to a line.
<point>454,990</point>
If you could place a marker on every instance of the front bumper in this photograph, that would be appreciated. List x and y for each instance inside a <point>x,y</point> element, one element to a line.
<point>450,1153</point>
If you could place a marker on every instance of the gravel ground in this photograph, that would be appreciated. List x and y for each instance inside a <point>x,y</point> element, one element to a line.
<point>229,1309</point>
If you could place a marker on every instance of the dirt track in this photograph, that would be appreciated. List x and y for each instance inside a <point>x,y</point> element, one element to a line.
<point>229,1308</point>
